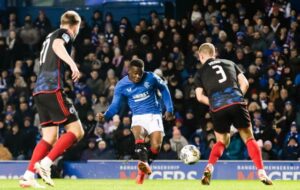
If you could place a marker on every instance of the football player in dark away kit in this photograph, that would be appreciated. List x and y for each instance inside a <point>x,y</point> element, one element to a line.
<point>220,84</point>
<point>53,106</point>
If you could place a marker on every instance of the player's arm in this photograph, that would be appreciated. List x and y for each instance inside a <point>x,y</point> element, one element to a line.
<point>242,80</point>
<point>243,83</point>
<point>199,90</point>
<point>166,96</point>
<point>201,97</point>
<point>59,49</point>
<point>114,106</point>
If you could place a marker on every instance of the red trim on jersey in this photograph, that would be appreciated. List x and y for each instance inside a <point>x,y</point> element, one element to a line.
<point>46,122</point>
<point>46,92</point>
<point>228,105</point>
<point>62,104</point>
<point>58,76</point>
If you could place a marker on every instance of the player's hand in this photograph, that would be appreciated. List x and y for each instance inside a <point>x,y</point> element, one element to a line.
<point>168,116</point>
<point>100,117</point>
<point>75,73</point>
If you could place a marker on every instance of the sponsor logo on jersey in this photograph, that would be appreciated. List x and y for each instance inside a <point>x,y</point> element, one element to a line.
<point>146,84</point>
<point>72,110</point>
<point>141,96</point>
<point>66,37</point>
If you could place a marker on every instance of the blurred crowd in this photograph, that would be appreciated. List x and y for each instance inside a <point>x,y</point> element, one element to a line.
<point>261,36</point>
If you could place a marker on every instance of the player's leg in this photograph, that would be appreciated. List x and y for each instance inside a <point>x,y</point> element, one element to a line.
<point>74,133</point>
<point>243,124</point>
<point>49,137</point>
<point>40,151</point>
<point>156,130</point>
<point>223,140</point>
<point>63,113</point>
<point>156,138</point>
<point>141,152</point>
<point>222,124</point>
<point>254,153</point>
<point>140,146</point>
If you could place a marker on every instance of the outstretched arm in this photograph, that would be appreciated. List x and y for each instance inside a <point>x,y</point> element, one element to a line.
<point>114,106</point>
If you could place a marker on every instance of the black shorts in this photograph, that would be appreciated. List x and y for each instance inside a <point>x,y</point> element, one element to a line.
<point>236,115</point>
<point>54,109</point>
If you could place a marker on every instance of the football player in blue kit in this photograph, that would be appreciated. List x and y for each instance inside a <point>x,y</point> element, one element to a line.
<point>140,90</point>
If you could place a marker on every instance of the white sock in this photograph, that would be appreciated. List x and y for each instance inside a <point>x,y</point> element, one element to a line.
<point>47,162</point>
<point>211,167</point>
<point>261,172</point>
<point>29,175</point>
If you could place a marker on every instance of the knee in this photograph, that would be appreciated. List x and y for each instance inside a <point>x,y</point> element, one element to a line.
<point>79,134</point>
<point>156,146</point>
<point>51,139</point>
<point>77,130</point>
<point>225,142</point>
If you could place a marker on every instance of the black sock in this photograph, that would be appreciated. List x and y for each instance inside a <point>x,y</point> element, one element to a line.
<point>152,155</point>
<point>141,152</point>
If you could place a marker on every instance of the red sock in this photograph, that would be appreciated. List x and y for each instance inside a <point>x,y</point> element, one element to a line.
<point>216,152</point>
<point>153,150</point>
<point>255,153</point>
<point>39,152</point>
<point>63,143</point>
<point>139,141</point>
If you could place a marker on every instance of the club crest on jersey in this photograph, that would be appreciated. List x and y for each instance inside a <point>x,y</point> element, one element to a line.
<point>66,37</point>
<point>146,84</point>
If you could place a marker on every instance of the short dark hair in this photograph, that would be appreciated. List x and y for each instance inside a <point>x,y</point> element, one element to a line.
<point>137,63</point>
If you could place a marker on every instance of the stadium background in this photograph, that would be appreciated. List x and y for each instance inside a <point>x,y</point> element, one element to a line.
<point>262,37</point>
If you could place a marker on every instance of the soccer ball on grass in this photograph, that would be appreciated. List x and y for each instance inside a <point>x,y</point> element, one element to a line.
<point>189,154</point>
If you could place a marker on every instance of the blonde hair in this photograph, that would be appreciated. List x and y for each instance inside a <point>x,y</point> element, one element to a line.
<point>207,48</point>
<point>70,18</point>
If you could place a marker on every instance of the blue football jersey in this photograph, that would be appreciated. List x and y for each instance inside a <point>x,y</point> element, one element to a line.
<point>142,97</point>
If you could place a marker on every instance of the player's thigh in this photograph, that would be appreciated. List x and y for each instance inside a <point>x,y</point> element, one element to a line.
<point>138,131</point>
<point>76,128</point>
<point>44,116</point>
<point>156,139</point>
<point>65,112</point>
<point>155,124</point>
<point>246,133</point>
<point>50,134</point>
<point>53,106</point>
<point>221,121</point>
<point>223,137</point>
<point>240,115</point>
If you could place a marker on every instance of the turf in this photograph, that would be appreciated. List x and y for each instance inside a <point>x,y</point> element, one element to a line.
<point>75,184</point>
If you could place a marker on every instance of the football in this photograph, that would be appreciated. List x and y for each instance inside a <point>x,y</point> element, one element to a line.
<point>190,154</point>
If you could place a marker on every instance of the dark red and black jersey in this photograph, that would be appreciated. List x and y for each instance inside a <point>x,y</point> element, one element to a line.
<point>218,78</point>
<point>50,77</point>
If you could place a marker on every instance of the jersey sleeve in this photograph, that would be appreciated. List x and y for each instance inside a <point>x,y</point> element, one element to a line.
<point>64,35</point>
<point>198,81</point>
<point>115,105</point>
<point>166,96</point>
<point>237,69</point>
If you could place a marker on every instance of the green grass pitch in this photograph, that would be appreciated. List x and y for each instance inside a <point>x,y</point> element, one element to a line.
<point>82,184</point>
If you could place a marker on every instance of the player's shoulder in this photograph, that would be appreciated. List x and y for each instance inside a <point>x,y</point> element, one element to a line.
<point>226,61</point>
<point>151,75</point>
<point>123,81</point>
<point>61,33</point>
